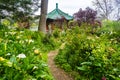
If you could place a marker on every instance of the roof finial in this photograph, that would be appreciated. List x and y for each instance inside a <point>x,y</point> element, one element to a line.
<point>56,5</point>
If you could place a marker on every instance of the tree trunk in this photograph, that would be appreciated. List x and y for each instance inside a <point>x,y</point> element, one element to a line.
<point>42,21</point>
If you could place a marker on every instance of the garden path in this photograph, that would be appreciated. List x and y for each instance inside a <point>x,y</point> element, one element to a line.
<point>58,73</point>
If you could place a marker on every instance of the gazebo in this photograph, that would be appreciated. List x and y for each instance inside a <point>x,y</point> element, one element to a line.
<point>57,18</point>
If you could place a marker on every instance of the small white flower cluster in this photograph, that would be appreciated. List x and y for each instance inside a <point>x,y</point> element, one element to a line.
<point>29,40</point>
<point>21,55</point>
<point>21,41</point>
<point>18,36</point>
<point>12,33</point>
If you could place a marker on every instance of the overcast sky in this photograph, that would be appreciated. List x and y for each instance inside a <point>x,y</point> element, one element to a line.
<point>69,6</point>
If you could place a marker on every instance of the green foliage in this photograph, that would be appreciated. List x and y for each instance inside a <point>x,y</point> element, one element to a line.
<point>93,57</point>
<point>23,55</point>
<point>112,29</point>
<point>6,22</point>
<point>3,27</point>
<point>111,26</point>
<point>56,33</point>
<point>16,9</point>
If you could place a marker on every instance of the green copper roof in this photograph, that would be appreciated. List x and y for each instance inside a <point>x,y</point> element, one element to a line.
<point>58,14</point>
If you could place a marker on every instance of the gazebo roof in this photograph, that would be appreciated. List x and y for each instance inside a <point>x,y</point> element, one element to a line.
<point>58,14</point>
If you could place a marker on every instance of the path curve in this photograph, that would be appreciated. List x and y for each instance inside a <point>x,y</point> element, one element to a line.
<point>58,73</point>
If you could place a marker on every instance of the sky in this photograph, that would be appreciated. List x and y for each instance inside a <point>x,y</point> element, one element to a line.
<point>69,6</point>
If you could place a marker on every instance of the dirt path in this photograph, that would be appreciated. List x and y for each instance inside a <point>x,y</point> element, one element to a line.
<point>58,73</point>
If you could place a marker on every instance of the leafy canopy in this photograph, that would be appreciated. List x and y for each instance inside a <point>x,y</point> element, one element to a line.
<point>16,9</point>
<point>85,16</point>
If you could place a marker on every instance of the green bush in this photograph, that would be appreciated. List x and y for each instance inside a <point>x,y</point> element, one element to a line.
<point>23,55</point>
<point>93,57</point>
<point>3,27</point>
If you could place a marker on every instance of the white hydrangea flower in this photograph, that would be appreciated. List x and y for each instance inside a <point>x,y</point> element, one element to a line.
<point>21,55</point>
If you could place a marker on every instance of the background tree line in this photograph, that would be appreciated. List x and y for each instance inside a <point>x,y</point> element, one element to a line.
<point>108,8</point>
<point>22,10</point>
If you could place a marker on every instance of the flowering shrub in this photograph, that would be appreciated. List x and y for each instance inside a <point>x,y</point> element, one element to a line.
<point>86,16</point>
<point>23,55</point>
<point>92,57</point>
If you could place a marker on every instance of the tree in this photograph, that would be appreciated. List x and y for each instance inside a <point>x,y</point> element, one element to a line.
<point>18,10</point>
<point>42,21</point>
<point>117,3</point>
<point>85,16</point>
<point>104,7</point>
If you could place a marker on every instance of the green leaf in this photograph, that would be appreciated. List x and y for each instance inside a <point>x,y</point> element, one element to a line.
<point>98,64</point>
<point>13,59</point>
<point>86,63</point>
<point>83,68</point>
<point>92,58</point>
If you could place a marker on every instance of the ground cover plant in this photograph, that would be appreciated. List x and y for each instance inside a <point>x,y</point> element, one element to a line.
<point>23,55</point>
<point>92,56</point>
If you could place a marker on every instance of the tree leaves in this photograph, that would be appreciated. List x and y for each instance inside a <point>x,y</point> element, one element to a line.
<point>85,16</point>
<point>17,8</point>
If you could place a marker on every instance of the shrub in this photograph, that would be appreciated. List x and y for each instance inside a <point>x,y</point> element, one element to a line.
<point>23,56</point>
<point>93,57</point>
